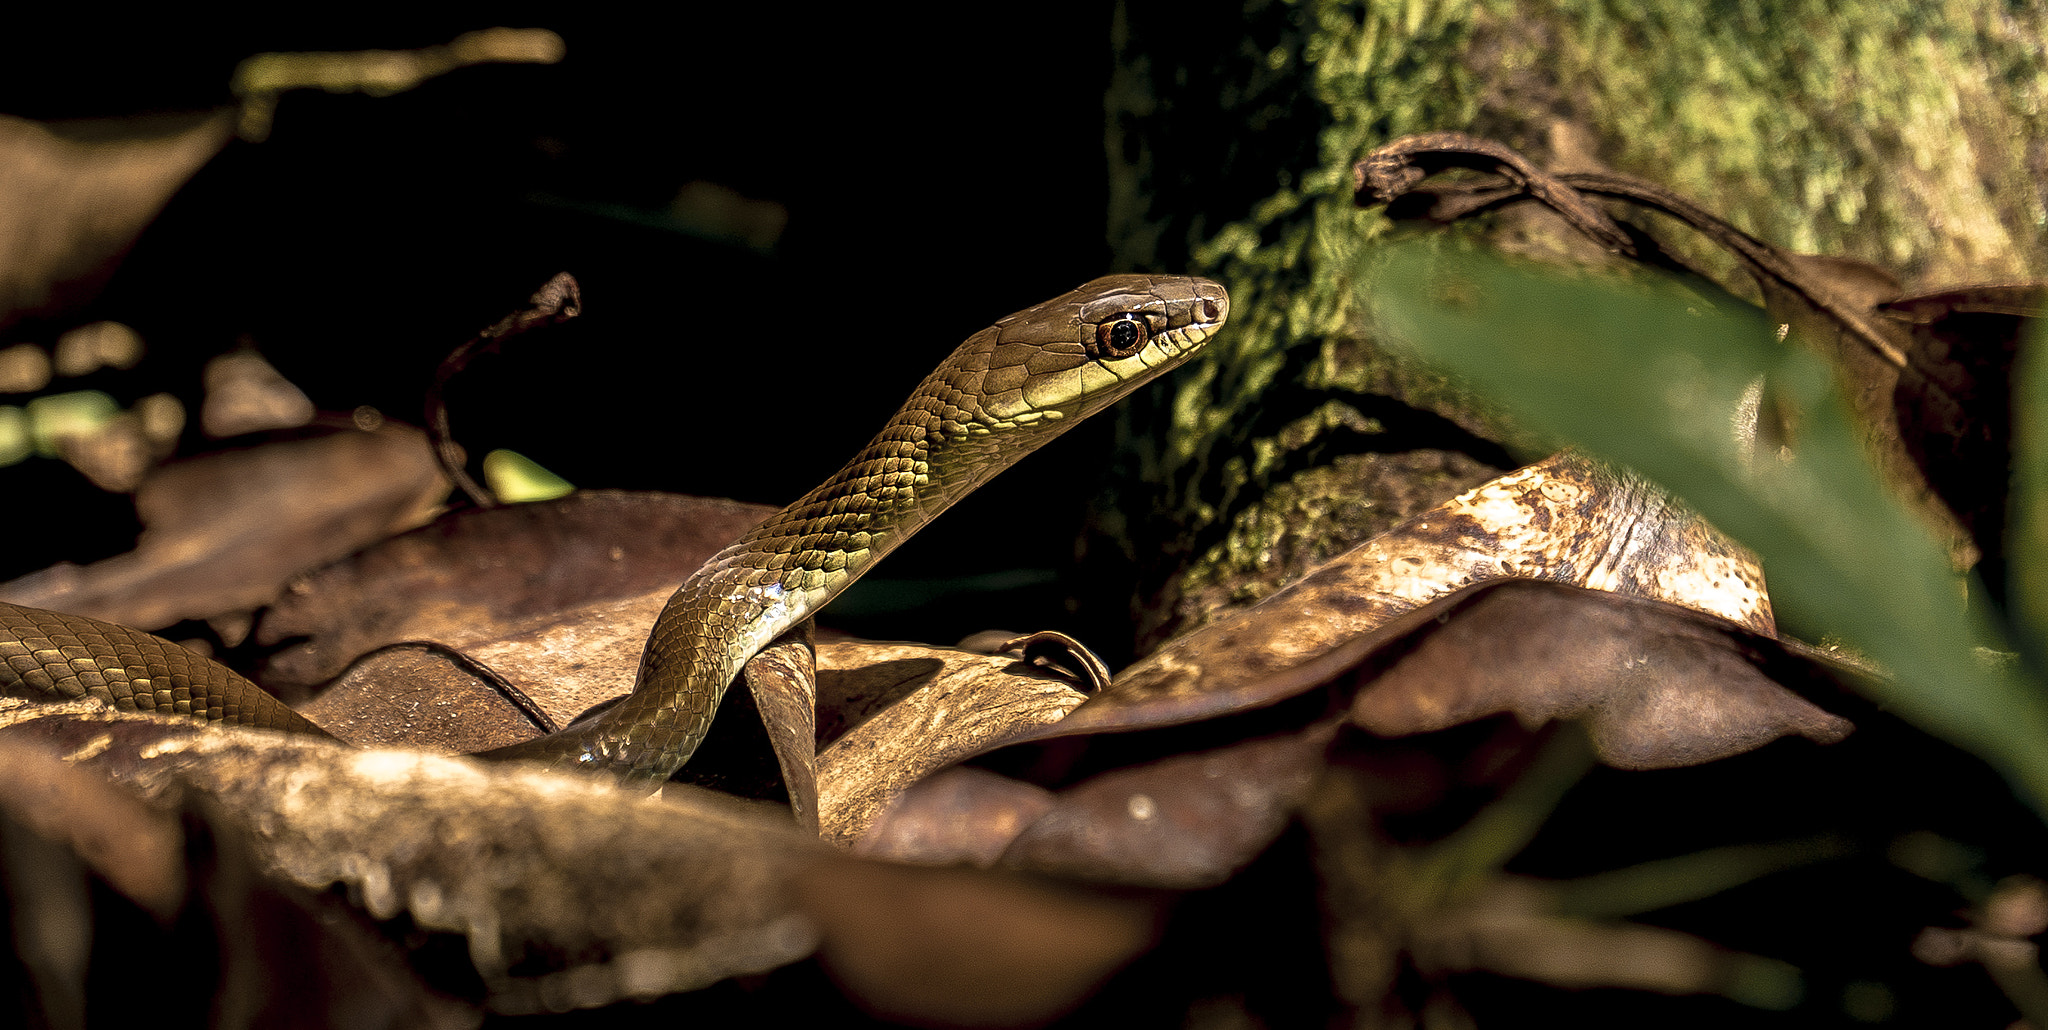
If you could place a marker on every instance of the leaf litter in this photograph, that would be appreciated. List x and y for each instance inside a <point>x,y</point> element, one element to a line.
<point>1568,590</point>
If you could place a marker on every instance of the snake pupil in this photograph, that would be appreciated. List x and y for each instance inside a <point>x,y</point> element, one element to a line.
<point>1121,338</point>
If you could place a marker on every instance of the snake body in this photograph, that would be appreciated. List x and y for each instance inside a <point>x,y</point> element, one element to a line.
<point>1007,390</point>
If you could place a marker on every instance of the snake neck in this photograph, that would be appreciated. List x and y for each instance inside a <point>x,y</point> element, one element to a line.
<point>756,589</point>
<point>1004,392</point>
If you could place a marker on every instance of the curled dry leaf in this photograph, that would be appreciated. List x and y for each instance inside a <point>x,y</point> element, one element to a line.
<point>569,891</point>
<point>1053,650</point>
<point>1567,519</point>
<point>1657,685</point>
<point>784,682</point>
<point>225,531</point>
<point>473,577</point>
<point>74,197</point>
<point>1960,430</point>
<point>958,705</point>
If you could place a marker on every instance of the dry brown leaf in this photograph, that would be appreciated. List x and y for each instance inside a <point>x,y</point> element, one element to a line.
<point>1186,821</point>
<point>1963,342</point>
<point>1566,519</point>
<point>1657,685</point>
<point>74,197</point>
<point>421,696</point>
<point>562,664</point>
<point>246,394</point>
<point>225,531</point>
<point>857,682</point>
<point>570,891</point>
<point>1831,305</point>
<point>961,815</point>
<point>552,573</point>
<point>963,705</point>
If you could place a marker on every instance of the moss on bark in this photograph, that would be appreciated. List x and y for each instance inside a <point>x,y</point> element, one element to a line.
<point>1909,138</point>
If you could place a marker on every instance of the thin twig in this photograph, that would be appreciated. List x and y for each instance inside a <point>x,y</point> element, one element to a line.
<point>558,300</point>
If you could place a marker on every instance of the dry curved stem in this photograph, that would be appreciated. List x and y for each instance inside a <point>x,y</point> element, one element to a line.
<point>1397,169</point>
<point>1057,652</point>
<point>558,300</point>
<point>1392,170</point>
<point>1929,397</point>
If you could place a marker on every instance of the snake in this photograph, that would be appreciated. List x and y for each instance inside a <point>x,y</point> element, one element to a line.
<point>1001,395</point>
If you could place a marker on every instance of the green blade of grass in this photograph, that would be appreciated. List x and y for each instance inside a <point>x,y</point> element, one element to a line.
<point>1646,378</point>
<point>2027,529</point>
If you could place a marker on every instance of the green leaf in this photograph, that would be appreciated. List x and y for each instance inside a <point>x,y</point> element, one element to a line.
<point>2027,530</point>
<point>515,478</point>
<point>1652,378</point>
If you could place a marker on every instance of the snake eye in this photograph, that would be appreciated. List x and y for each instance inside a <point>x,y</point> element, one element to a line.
<point>1120,337</point>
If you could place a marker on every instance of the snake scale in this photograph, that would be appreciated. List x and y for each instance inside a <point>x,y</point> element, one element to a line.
<point>1007,390</point>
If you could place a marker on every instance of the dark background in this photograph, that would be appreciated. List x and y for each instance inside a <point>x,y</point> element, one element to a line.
<point>940,170</point>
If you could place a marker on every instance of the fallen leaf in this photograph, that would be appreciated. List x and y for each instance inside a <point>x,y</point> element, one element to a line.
<point>960,815</point>
<point>533,869</point>
<point>962,705</point>
<point>1964,341</point>
<point>1185,821</point>
<point>1657,685</point>
<point>570,892</point>
<point>245,394</point>
<point>483,575</point>
<point>74,197</point>
<point>562,665</point>
<point>421,696</point>
<point>224,532</point>
<point>1567,519</point>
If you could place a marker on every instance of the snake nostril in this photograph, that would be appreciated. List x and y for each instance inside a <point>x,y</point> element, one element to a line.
<point>1210,312</point>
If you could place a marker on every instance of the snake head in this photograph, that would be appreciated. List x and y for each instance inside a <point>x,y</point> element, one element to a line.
<point>1059,361</point>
